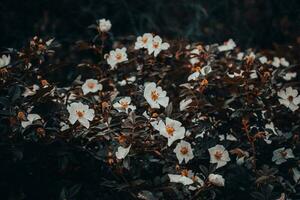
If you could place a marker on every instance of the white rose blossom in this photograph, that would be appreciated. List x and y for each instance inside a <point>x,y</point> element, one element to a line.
<point>194,56</point>
<point>289,98</point>
<point>116,56</point>
<point>184,151</point>
<point>123,105</point>
<point>143,41</point>
<point>122,152</point>
<point>281,155</point>
<point>155,96</point>
<point>82,113</point>
<point>216,179</point>
<point>4,61</point>
<point>156,46</point>
<point>172,130</point>
<point>218,154</point>
<point>263,59</point>
<point>187,177</point>
<point>104,25</point>
<point>91,86</point>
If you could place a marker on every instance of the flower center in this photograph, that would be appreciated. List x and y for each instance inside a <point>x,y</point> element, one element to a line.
<point>144,40</point>
<point>184,173</point>
<point>283,154</point>
<point>170,130</point>
<point>155,45</point>
<point>124,104</point>
<point>119,56</point>
<point>290,98</point>
<point>184,150</point>
<point>218,155</point>
<point>154,95</point>
<point>91,85</point>
<point>79,113</point>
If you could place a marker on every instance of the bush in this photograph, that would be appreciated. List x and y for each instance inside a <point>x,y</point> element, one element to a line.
<point>142,118</point>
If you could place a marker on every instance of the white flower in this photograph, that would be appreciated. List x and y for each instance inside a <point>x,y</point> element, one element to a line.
<point>271,127</point>
<point>4,61</point>
<point>116,56</point>
<point>289,76</point>
<point>30,91</point>
<point>280,61</point>
<point>184,151</point>
<point>123,105</point>
<point>228,137</point>
<point>205,70</point>
<point>240,56</point>
<point>155,96</point>
<point>194,76</point>
<point>193,57</point>
<point>235,74</point>
<point>63,126</point>
<point>289,98</point>
<point>175,178</point>
<point>184,104</point>
<point>122,152</point>
<point>218,154</point>
<point>263,60</point>
<point>82,113</point>
<point>127,81</point>
<point>216,179</point>
<point>157,46</point>
<point>281,155</point>
<point>227,46</point>
<point>30,119</point>
<point>172,130</point>
<point>104,25</point>
<point>253,74</point>
<point>296,175</point>
<point>143,41</point>
<point>91,85</point>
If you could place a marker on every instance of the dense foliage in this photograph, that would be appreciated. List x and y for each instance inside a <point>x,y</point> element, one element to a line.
<point>142,118</point>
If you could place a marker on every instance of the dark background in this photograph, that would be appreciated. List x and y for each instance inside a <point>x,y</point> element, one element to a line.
<point>255,23</point>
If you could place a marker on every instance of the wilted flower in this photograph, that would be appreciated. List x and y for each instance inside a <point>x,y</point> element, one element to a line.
<point>123,105</point>
<point>122,152</point>
<point>289,76</point>
<point>104,25</point>
<point>184,104</point>
<point>218,154</point>
<point>281,155</point>
<point>4,61</point>
<point>155,96</point>
<point>184,151</point>
<point>216,179</point>
<point>172,130</point>
<point>289,98</point>
<point>91,86</point>
<point>156,46</point>
<point>30,119</point>
<point>227,46</point>
<point>143,41</point>
<point>82,113</point>
<point>116,56</point>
